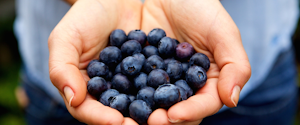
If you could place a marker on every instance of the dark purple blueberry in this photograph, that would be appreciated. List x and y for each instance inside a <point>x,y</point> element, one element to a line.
<point>118,69</point>
<point>153,62</point>
<point>121,83</point>
<point>92,61</point>
<point>139,111</point>
<point>200,59</point>
<point>150,50</point>
<point>131,66</point>
<point>146,94</point>
<point>96,86</point>
<point>97,69</point>
<point>166,47</point>
<point>155,36</point>
<point>183,93</point>
<point>107,96</point>
<point>184,51</point>
<point>182,83</point>
<point>138,35</point>
<point>196,77</point>
<point>131,47</point>
<point>120,102</point>
<point>140,57</point>
<point>117,38</point>
<point>174,70</point>
<point>166,95</point>
<point>132,98</point>
<point>111,56</point>
<point>140,81</point>
<point>157,77</point>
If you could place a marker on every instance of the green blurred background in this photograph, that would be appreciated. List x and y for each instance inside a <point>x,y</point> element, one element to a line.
<point>10,111</point>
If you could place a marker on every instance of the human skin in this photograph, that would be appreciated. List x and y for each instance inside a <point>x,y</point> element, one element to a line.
<point>82,34</point>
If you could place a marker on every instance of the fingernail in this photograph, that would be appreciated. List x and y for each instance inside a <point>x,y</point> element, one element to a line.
<point>175,121</point>
<point>68,94</point>
<point>235,95</point>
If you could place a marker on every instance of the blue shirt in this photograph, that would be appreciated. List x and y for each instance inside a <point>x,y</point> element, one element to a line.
<point>266,27</point>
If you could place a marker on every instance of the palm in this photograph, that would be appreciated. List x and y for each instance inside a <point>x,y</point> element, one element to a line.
<point>206,25</point>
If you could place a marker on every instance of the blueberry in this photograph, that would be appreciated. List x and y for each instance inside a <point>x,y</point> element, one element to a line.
<point>138,35</point>
<point>96,86</point>
<point>117,38</point>
<point>147,94</point>
<point>140,57</point>
<point>174,70</point>
<point>139,111</point>
<point>153,62</point>
<point>150,50</point>
<point>140,81</point>
<point>131,47</point>
<point>196,77</point>
<point>166,95</point>
<point>97,69</point>
<point>183,93</point>
<point>166,47</point>
<point>120,102</point>
<point>185,67</point>
<point>200,59</point>
<point>157,77</point>
<point>121,83</point>
<point>182,83</point>
<point>92,61</point>
<point>155,36</point>
<point>111,56</point>
<point>131,66</point>
<point>184,51</point>
<point>107,96</point>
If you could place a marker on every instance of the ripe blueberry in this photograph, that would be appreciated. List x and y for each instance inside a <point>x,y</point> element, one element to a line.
<point>131,66</point>
<point>97,69</point>
<point>131,47</point>
<point>117,38</point>
<point>138,35</point>
<point>140,81</point>
<point>153,62</point>
<point>107,96</point>
<point>111,56</point>
<point>166,95</point>
<point>182,83</point>
<point>150,50</point>
<point>139,111</point>
<point>155,36</point>
<point>200,59</point>
<point>96,86</point>
<point>120,102</point>
<point>166,47</point>
<point>146,94</point>
<point>121,83</point>
<point>196,77</point>
<point>174,70</point>
<point>157,77</point>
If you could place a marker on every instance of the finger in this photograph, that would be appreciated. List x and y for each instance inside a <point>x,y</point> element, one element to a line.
<point>204,103</point>
<point>159,117</point>
<point>129,121</point>
<point>94,113</point>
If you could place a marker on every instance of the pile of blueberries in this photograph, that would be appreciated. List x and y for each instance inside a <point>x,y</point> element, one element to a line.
<point>138,73</point>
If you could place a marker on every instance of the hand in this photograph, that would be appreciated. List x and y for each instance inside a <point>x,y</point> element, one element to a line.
<point>208,27</point>
<point>77,39</point>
